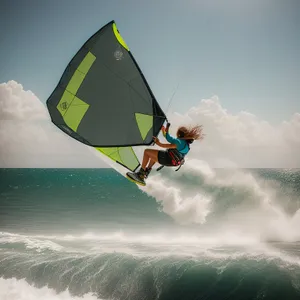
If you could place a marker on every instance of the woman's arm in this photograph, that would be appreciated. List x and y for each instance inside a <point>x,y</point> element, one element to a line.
<point>169,146</point>
<point>170,139</point>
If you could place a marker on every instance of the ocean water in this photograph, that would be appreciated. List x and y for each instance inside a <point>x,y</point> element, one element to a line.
<point>199,233</point>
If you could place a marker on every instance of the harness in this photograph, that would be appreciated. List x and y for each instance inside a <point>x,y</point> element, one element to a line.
<point>177,158</point>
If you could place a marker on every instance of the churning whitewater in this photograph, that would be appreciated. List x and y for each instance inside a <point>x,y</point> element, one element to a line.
<point>199,233</point>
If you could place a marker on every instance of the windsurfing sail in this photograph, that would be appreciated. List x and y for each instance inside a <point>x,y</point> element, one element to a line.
<point>103,99</point>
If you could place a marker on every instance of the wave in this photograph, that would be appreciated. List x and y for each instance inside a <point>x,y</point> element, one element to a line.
<point>209,273</point>
<point>148,246</point>
<point>122,265</point>
<point>227,201</point>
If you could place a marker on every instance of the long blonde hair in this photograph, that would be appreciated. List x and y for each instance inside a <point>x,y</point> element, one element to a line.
<point>190,133</point>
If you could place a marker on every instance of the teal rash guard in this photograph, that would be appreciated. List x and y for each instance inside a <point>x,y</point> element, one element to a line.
<point>181,145</point>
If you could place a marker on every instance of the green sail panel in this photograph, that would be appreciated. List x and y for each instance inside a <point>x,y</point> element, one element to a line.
<point>75,113</point>
<point>144,123</point>
<point>103,99</point>
<point>72,108</point>
<point>125,156</point>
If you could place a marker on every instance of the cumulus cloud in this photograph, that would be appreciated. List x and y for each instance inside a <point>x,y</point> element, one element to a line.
<point>18,105</point>
<point>241,140</point>
<point>29,139</point>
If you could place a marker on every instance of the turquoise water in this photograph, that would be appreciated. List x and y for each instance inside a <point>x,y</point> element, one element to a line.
<point>194,234</point>
<point>55,200</point>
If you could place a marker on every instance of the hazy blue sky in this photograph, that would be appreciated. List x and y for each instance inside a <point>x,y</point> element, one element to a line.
<point>245,52</point>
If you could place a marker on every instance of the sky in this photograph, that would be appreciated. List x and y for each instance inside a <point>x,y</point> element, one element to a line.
<point>238,60</point>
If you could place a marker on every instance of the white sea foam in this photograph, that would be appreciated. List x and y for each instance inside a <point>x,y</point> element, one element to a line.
<point>196,195</point>
<point>217,247</point>
<point>13,289</point>
<point>30,242</point>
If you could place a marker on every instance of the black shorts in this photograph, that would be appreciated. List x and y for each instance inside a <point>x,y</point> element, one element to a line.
<point>164,158</point>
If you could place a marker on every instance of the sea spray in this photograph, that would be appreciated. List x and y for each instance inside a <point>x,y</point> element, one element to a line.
<point>228,200</point>
<point>183,208</point>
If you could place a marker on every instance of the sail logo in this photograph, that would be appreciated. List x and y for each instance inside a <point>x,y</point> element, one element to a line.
<point>64,105</point>
<point>118,54</point>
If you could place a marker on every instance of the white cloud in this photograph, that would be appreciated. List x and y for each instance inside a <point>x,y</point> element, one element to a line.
<point>18,105</point>
<point>29,139</point>
<point>241,140</point>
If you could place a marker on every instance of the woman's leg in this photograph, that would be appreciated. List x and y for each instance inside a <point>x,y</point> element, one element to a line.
<point>151,163</point>
<point>151,157</point>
